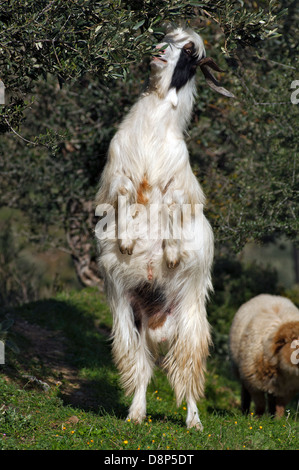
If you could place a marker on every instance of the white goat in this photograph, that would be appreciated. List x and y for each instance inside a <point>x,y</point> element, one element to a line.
<point>157,282</point>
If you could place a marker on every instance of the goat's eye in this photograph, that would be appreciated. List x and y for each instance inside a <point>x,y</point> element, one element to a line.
<point>188,51</point>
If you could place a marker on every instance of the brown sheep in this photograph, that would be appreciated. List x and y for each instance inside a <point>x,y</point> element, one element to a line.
<point>264,337</point>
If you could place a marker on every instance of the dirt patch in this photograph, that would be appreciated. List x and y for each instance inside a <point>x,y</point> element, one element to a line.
<point>45,363</point>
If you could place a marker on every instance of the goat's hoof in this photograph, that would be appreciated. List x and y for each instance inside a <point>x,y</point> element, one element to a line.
<point>195,425</point>
<point>126,246</point>
<point>172,254</point>
<point>136,418</point>
<point>123,191</point>
<point>172,258</point>
<point>173,263</point>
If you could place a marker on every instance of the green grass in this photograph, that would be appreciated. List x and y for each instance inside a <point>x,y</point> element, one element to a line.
<point>64,343</point>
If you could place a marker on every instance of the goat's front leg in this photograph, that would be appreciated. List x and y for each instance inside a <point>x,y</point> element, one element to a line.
<point>125,192</point>
<point>126,244</point>
<point>172,228</point>
<point>172,252</point>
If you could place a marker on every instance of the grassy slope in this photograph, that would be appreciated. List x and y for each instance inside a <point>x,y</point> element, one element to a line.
<point>83,406</point>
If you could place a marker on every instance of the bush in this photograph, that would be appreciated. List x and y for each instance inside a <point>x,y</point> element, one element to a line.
<point>235,283</point>
<point>19,276</point>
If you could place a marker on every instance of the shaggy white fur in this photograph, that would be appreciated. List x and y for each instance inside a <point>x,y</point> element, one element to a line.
<point>157,284</point>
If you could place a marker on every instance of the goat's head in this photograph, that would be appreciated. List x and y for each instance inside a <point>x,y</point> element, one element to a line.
<point>177,58</point>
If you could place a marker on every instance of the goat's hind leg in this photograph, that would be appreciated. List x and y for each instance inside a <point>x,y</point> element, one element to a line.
<point>186,361</point>
<point>132,359</point>
<point>193,420</point>
<point>136,371</point>
<point>137,411</point>
<point>141,368</point>
<point>186,382</point>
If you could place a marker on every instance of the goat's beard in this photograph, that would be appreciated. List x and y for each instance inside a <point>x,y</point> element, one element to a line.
<point>156,80</point>
<point>160,78</point>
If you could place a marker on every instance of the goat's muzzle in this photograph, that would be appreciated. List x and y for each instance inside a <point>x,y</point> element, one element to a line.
<point>206,64</point>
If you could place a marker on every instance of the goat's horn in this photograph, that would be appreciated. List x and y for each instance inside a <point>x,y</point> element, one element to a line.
<point>206,64</point>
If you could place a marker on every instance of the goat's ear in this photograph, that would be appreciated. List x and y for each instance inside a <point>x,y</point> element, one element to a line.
<point>206,65</point>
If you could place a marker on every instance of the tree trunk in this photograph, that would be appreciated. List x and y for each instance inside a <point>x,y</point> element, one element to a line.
<point>80,237</point>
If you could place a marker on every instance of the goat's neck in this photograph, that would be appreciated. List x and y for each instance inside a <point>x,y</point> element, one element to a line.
<point>173,109</point>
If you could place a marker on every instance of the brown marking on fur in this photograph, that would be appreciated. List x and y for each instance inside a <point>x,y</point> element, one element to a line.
<point>264,370</point>
<point>286,355</point>
<point>276,308</point>
<point>149,271</point>
<point>137,312</point>
<point>189,45</point>
<point>142,191</point>
<point>148,302</point>
<point>279,410</point>
<point>156,320</point>
<point>123,191</point>
<point>285,334</point>
<point>167,186</point>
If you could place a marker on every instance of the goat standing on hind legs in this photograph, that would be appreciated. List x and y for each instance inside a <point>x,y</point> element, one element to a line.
<point>157,282</point>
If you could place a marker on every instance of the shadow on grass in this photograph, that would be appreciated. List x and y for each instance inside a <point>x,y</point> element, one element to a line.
<point>65,342</point>
<point>66,345</point>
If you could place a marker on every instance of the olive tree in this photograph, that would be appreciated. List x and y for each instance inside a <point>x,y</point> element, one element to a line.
<point>72,69</point>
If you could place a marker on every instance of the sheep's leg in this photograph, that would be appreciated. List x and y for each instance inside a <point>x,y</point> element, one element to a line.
<point>259,399</point>
<point>245,400</point>
<point>280,405</point>
<point>271,404</point>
